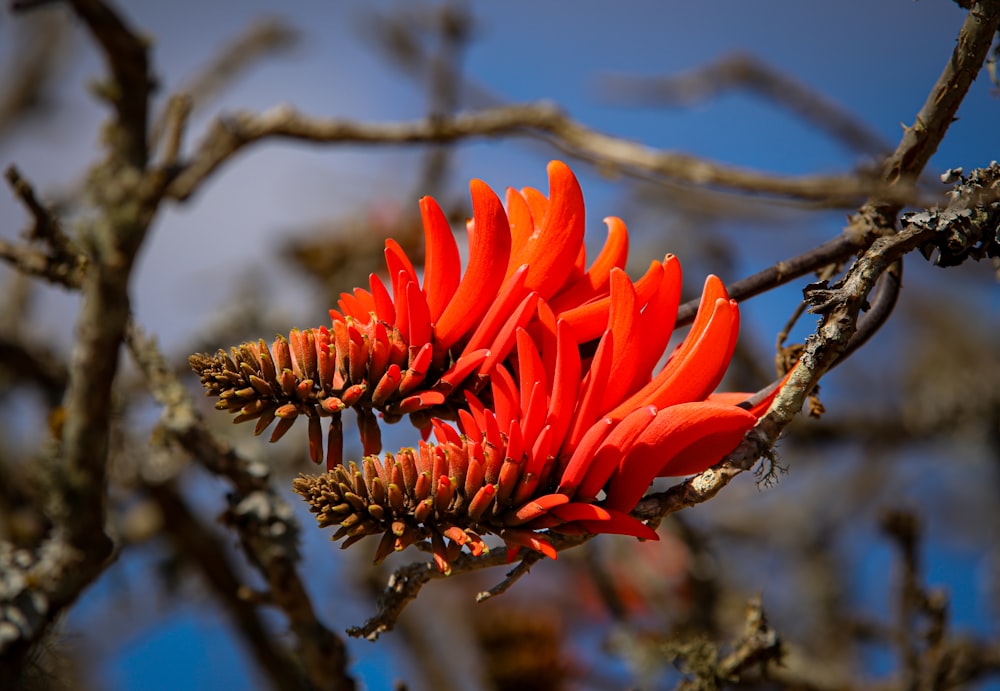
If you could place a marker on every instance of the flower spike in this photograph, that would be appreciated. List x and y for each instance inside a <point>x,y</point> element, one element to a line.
<point>365,360</point>
<point>546,366</point>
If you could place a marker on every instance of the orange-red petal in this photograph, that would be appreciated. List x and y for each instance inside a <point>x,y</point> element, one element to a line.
<point>618,523</point>
<point>667,438</point>
<point>489,252</point>
<point>657,321</point>
<point>441,258</point>
<point>576,467</point>
<point>609,454</point>
<point>590,406</point>
<point>696,368</point>
<point>551,251</point>
<point>562,402</point>
<point>594,283</point>
<point>522,225</point>
<point>510,296</point>
<point>623,320</point>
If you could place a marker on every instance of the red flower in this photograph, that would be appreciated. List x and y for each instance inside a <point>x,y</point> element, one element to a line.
<point>412,347</point>
<point>546,365</point>
<point>559,432</point>
<point>615,429</point>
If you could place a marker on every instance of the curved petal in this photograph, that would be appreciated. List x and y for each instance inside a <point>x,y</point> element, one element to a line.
<point>441,259</point>
<point>590,320</point>
<point>657,322</point>
<point>552,250</point>
<point>531,371</point>
<point>566,384</point>
<point>399,297</point>
<point>507,300</point>
<point>385,310</point>
<point>522,225</point>
<point>536,507</point>
<point>594,283</point>
<point>462,368</point>
<point>504,341</point>
<point>576,467</point>
<point>618,523</point>
<point>614,254</point>
<point>350,305</point>
<point>702,367</point>
<point>698,365</point>
<point>662,447</point>
<point>533,413</point>
<point>518,537</point>
<point>580,511</point>
<point>398,264</point>
<point>708,450</point>
<point>367,302</point>
<point>609,454</point>
<point>589,408</point>
<point>623,320</point>
<point>506,399</point>
<point>538,203</point>
<point>489,252</point>
<point>543,330</point>
<point>418,316</point>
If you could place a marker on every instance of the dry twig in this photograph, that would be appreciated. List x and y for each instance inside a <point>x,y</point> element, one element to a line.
<point>232,133</point>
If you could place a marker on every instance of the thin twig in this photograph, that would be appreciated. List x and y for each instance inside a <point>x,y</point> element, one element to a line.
<point>405,583</point>
<point>523,567</point>
<point>47,227</point>
<point>37,50</point>
<point>175,119</point>
<point>42,265</point>
<point>832,251</point>
<point>742,70</point>
<point>758,646</point>
<point>904,529</point>
<point>63,263</point>
<point>229,135</point>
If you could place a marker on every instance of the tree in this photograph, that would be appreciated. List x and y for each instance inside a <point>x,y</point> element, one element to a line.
<point>94,480</point>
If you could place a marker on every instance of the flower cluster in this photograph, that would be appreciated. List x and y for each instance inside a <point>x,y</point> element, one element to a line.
<point>412,348</point>
<point>546,365</point>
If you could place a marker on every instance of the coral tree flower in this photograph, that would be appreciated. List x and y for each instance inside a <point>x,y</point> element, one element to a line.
<point>547,367</point>
<point>560,434</point>
<point>406,346</point>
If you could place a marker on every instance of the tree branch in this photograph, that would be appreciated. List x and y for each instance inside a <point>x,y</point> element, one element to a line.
<point>840,307</point>
<point>229,135</point>
<point>832,251</point>
<point>743,70</point>
<point>131,85</point>
<point>264,522</point>
<point>194,540</point>
<point>405,583</point>
<point>77,549</point>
